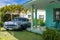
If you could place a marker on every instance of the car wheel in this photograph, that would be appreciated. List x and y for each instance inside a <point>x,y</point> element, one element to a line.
<point>23,27</point>
<point>7,29</point>
<point>20,28</point>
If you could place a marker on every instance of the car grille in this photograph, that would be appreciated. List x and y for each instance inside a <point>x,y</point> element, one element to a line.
<point>10,26</point>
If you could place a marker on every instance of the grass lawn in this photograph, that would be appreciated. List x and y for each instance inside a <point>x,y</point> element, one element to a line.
<point>19,35</point>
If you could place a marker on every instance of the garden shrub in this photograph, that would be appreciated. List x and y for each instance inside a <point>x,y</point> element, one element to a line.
<point>39,22</point>
<point>6,17</point>
<point>42,23</point>
<point>51,34</point>
<point>1,24</point>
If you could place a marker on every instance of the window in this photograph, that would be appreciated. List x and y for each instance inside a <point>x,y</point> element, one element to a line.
<point>29,16</point>
<point>41,17</point>
<point>57,14</point>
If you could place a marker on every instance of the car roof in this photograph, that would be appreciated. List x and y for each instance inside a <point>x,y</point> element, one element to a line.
<point>22,17</point>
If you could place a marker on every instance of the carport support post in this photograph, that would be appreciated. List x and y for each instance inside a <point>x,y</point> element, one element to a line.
<point>35,17</point>
<point>32,16</point>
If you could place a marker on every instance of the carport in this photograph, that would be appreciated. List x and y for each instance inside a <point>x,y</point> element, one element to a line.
<point>48,6</point>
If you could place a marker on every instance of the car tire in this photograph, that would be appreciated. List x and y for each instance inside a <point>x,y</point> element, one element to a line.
<point>20,28</point>
<point>23,27</point>
<point>7,29</point>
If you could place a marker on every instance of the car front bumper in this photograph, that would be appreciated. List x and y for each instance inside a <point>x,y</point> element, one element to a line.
<point>11,27</point>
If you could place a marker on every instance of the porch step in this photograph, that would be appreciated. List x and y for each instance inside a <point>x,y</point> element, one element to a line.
<point>37,30</point>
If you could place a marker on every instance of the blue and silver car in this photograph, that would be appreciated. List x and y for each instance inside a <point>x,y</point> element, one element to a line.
<point>17,23</point>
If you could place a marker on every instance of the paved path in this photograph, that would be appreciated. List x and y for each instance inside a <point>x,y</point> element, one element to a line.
<point>6,36</point>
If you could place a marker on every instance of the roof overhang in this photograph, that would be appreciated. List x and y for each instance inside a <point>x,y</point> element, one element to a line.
<point>39,4</point>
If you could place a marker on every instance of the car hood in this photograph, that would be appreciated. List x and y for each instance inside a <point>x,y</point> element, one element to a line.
<point>14,22</point>
<point>11,22</point>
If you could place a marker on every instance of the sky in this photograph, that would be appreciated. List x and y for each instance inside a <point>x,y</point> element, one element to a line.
<point>8,2</point>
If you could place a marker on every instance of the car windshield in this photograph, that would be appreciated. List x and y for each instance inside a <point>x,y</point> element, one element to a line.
<point>20,19</point>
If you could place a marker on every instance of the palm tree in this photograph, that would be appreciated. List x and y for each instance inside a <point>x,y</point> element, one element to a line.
<point>12,8</point>
<point>25,10</point>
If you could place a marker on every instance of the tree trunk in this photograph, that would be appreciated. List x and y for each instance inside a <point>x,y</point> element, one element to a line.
<point>11,16</point>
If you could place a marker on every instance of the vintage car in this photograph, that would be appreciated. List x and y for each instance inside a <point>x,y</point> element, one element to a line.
<point>17,23</point>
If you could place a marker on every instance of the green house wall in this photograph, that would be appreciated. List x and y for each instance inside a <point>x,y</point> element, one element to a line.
<point>49,14</point>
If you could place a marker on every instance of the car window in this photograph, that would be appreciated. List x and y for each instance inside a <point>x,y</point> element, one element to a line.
<point>24,19</point>
<point>21,19</point>
<point>15,19</point>
<point>27,19</point>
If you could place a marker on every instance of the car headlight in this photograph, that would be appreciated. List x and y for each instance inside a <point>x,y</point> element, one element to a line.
<point>15,23</point>
<point>5,23</point>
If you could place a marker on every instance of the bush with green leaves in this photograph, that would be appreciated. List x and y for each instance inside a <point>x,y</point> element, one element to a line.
<point>39,22</point>
<point>42,23</point>
<point>1,24</point>
<point>6,17</point>
<point>51,34</point>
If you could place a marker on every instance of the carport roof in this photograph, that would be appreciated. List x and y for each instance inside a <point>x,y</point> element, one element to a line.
<point>40,4</point>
